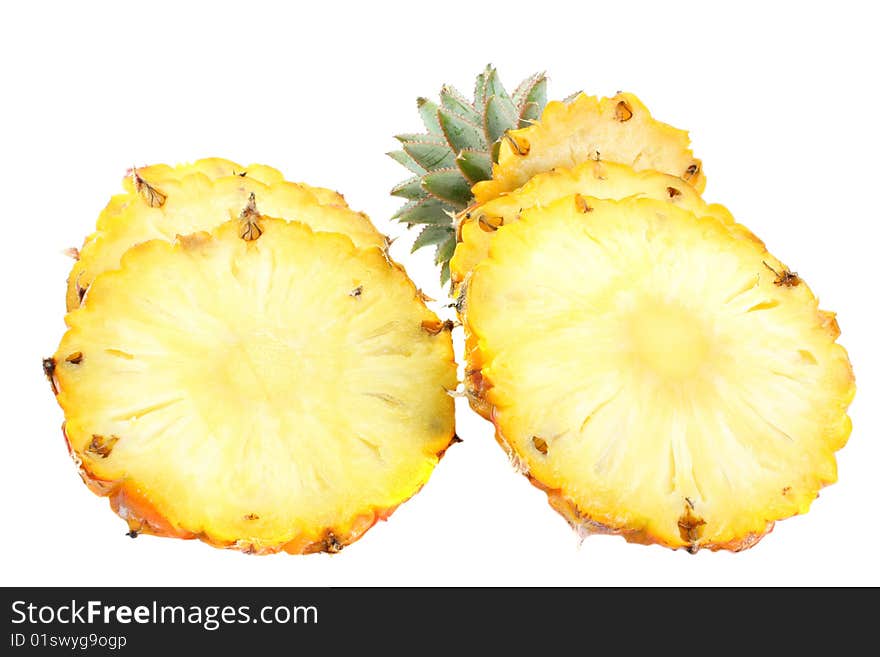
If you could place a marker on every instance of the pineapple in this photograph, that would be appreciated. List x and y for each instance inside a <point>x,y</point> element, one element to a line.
<point>616,129</point>
<point>599,179</point>
<point>660,375</point>
<point>263,386</point>
<point>161,202</point>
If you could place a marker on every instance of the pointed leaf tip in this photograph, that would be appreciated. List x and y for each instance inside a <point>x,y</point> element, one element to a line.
<point>428,112</point>
<point>402,158</point>
<point>411,188</point>
<point>454,101</point>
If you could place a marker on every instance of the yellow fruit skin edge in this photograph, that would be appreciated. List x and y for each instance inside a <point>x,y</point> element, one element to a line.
<point>477,386</point>
<point>133,505</point>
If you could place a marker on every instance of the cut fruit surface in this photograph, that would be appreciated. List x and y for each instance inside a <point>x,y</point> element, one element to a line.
<point>281,391</point>
<point>617,129</point>
<point>162,202</point>
<point>665,377</point>
<point>607,180</point>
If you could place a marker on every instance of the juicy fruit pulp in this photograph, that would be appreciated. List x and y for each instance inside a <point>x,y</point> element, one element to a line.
<point>608,180</point>
<point>162,202</point>
<point>665,379</point>
<point>263,387</point>
<point>617,129</point>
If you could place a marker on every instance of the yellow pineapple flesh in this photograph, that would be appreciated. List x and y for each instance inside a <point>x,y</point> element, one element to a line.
<point>608,180</point>
<point>616,129</point>
<point>263,386</point>
<point>665,378</point>
<point>161,202</point>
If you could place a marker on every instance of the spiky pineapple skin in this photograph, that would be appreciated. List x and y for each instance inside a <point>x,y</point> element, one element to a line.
<point>618,129</point>
<point>586,520</point>
<point>164,201</point>
<point>131,499</point>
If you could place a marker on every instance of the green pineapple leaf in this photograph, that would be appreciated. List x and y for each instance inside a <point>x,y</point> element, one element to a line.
<point>429,155</point>
<point>460,133</point>
<point>432,235</point>
<point>428,112</point>
<point>448,185</point>
<point>402,158</point>
<point>475,165</point>
<point>451,99</point>
<point>409,189</point>
<point>428,210</point>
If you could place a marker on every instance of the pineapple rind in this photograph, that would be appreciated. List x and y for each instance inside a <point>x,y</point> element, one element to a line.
<point>200,196</point>
<point>217,167</point>
<point>599,179</point>
<point>591,128</point>
<point>704,451</point>
<point>304,358</point>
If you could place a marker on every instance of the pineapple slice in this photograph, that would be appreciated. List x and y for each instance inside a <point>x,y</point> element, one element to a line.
<point>666,379</point>
<point>262,387</point>
<point>607,180</point>
<point>616,129</point>
<point>162,202</point>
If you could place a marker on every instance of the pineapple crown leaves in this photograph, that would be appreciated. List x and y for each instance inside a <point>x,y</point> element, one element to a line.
<point>456,152</point>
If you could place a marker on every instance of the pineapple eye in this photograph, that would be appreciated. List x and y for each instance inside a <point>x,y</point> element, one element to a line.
<point>520,145</point>
<point>581,204</point>
<point>692,171</point>
<point>623,112</point>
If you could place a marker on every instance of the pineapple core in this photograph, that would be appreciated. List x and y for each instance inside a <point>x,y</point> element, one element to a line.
<point>667,341</point>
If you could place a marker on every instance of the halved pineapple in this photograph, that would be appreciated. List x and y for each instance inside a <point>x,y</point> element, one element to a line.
<point>616,129</point>
<point>263,387</point>
<point>162,202</point>
<point>665,378</point>
<point>609,180</point>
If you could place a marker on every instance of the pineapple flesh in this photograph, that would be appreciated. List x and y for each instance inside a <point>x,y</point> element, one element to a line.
<point>666,378</point>
<point>608,180</point>
<point>161,202</point>
<point>616,129</point>
<point>263,386</point>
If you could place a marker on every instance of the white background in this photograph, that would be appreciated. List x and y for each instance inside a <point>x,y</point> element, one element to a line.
<point>781,100</point>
